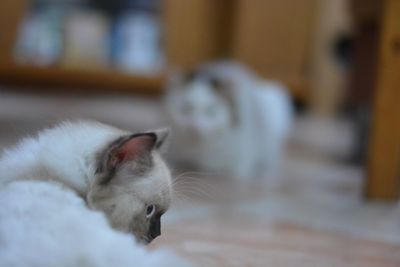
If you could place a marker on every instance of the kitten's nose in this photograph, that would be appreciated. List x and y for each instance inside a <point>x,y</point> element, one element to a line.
<point>155,227</point>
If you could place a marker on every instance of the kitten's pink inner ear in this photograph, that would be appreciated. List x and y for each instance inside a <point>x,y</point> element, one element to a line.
<point>132,149</point>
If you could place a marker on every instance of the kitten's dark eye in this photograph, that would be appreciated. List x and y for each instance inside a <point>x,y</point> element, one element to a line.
<point>150,210</point>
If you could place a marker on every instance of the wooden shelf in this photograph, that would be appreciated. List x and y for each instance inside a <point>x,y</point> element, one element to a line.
<point>71,79</point>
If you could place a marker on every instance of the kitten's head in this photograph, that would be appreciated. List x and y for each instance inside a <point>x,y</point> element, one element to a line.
<point>199,104</point>
<point>133,184</point>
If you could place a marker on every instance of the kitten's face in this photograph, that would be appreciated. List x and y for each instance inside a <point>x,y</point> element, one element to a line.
<point>133,185</point>
<point>198,107</point>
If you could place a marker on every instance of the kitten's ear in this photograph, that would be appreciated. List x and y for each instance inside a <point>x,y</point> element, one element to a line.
<point>130,148</point>
<point>136,147</point>
<point>162,138</point>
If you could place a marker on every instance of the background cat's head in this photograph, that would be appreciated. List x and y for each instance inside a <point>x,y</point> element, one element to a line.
<point>199,104</point>
<point>133,184</point>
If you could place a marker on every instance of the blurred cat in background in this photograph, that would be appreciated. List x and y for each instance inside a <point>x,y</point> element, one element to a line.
<point>227,119</point>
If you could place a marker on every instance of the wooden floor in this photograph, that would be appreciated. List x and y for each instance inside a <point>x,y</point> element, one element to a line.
<point>238,242</point>
<point>223,235</point>
<point>312,215</point>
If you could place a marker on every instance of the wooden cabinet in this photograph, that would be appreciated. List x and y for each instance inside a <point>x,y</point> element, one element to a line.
<point>11,12</point>
<point>197,31</point>
<point>274,38</point>
<point>383,178</point>
<point>270,36</point>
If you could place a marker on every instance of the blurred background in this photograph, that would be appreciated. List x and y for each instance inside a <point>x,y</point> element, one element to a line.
<point>336,203</point>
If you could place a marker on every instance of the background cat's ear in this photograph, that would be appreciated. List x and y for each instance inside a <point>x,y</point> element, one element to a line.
<point>189,75</point>
<point>174,77</point>
<point>220,85</point>
<point>225,88</point>
<point>178,77</point>
<point>130,148</point>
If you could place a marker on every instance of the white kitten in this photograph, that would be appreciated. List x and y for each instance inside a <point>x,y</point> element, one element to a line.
<point>227,119</point>
<point>44,225</point>
<point>116,172</point>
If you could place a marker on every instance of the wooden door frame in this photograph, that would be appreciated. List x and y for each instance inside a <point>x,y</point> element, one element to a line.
<point>383,177</point>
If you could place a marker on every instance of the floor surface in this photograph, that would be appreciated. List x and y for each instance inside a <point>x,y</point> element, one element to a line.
<point>313,214</point>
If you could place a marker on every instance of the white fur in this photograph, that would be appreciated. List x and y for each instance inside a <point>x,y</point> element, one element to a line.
<point>45,225</point>
<point>63,153</point>
<point>43,218</point>
<point>212,143</point>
